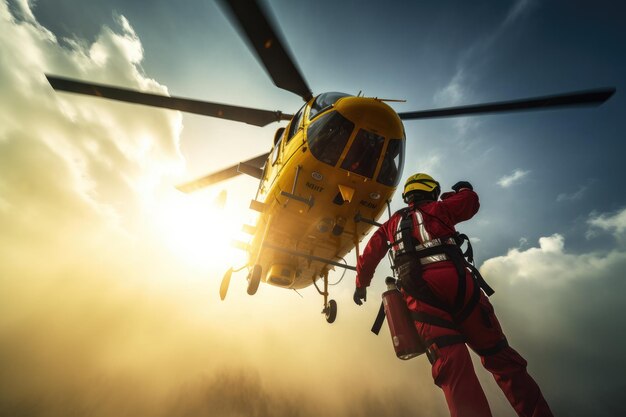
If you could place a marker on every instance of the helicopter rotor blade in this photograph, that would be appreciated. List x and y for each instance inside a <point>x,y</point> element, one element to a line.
<point>221,175</point>
<point>255,26</point>
<point>248,115</point>
<point>577,98</point>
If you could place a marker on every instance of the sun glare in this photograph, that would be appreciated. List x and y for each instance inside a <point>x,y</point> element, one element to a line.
<point>200,232</point>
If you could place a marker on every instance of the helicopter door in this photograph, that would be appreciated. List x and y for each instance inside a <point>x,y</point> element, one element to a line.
<point>278,144</point>
<point>295,124</point>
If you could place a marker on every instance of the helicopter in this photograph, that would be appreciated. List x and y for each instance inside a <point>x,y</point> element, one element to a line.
<point>330,172</point>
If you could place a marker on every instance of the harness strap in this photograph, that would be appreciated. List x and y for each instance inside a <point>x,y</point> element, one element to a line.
<point>416,316</point>
<point>480,280</point>
<point>380,319</point>
<point>469,307</point>
<point>432,352</point>
<point>406,238</point>
<point>460,238</point>
<point>454,254</point>
<point>423,293</point>
<point>494,349</point>
<point>459,264</point>
<point>433,320</point>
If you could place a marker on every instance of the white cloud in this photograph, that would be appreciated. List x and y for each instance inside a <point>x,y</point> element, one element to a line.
<point>429,163</point>
<point>522,264</point>
<point>614,223</point>
<point>513,178</point>
<point>557,307</point>
<point>518,8</point>
<point>454,93</point>
<point>575,196</point>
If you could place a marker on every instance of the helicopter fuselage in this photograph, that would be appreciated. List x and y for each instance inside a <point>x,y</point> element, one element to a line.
<point>328,177</point>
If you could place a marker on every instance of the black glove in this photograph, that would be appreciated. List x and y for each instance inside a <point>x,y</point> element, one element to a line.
<point>360,294</point>
<point>462,184</point>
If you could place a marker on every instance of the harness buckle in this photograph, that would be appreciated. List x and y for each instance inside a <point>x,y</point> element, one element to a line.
<point>432,353</point>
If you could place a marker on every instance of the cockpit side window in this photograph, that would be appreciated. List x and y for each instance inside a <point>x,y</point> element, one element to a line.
<point>328,135</point>
<point>295,123</point>
<point>363,155</point>
<point>323,102</point>
<point>276,151</point>
<point>392,163</point>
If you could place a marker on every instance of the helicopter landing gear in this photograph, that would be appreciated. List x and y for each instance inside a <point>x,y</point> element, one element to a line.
<point>330,306</point>
<point>254,278</point>
<point>225,283</point>
<point>330,311</point>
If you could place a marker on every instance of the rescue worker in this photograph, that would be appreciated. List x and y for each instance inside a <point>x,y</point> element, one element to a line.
<point>443,293</point>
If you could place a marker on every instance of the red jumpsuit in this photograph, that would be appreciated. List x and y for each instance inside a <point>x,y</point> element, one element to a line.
<point>452,370</point>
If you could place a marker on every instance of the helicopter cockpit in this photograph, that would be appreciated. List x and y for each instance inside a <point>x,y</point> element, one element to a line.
<point>324,101</point>
<point>330,132</point>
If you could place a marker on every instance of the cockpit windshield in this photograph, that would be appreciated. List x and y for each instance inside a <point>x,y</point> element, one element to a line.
<point>323,102</point>
<point>363,155</point>
<point>327,136</point>
<point>392,164</point>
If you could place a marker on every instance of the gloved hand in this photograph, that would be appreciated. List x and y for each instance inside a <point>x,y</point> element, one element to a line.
<point>447,194</point>
<point>360,294</point>
<point>462,184</point>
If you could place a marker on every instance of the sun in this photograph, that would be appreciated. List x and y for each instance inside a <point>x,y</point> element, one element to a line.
<point>200,232</point>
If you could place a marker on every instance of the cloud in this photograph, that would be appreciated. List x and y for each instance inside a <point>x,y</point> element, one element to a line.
<point>575,196</point>
<point>454,93</point>
<point>514,178</point>
<point>578,194</point>
<point>518,8</point>
<point>560,306</point>
<point>429,163</point>
<point>614,223</point>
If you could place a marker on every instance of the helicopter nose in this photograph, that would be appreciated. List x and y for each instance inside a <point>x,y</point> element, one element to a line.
<point>371,114</point>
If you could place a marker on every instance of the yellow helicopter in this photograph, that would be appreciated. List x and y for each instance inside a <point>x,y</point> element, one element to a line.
<point>330,173</point>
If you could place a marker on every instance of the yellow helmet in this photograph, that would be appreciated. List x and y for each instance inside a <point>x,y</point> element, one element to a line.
<point>421,182</point>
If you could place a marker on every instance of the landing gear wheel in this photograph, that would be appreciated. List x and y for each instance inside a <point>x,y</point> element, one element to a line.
<point>225,283</point>
<point>330,311</point>
<point>254,278</point>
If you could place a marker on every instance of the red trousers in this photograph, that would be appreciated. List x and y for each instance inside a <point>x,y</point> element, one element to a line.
<point>453,371</point>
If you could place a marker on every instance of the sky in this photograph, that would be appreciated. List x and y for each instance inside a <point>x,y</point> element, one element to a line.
<point>109,277</point>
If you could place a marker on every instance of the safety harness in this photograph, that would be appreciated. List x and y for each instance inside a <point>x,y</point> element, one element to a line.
<point>410,255</point>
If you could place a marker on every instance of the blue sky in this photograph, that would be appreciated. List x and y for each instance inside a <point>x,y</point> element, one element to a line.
<point>550,236</point>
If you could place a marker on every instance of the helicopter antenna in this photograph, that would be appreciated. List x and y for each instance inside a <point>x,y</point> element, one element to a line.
<point>391,100</point>
<point>360,93</point>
